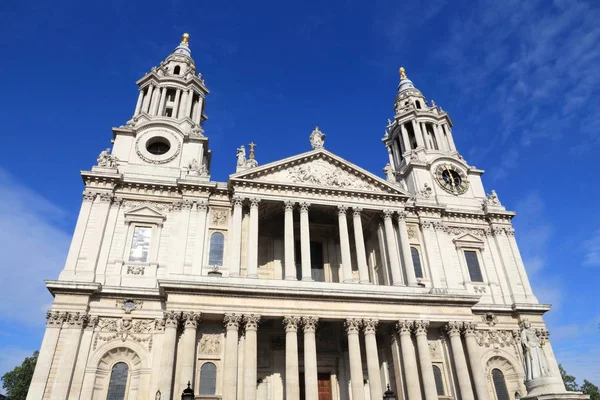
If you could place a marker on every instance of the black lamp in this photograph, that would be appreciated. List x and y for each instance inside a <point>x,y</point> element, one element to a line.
<point>389,394</point>
<point>188,394</point>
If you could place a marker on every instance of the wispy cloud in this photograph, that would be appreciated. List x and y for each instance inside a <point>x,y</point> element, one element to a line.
<point>591,248</point>
<point>33,249</point>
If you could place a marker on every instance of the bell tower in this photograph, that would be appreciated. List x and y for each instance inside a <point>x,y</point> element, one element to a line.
<point>165,139</point>
<point>422,153</point>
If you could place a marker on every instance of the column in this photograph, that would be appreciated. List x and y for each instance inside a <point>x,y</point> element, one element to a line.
<point>161,104</point>
<point>82,359</point>
<point>418,133</point>
<point>405,246</point>
<point>397,154</point>
<point>54,321</point>
<point>71,333</point>
<point>148,98</point>
<point>305,241</point>
<point>356,371</point>
<point>176,104</point>
<point>188,355</point>
<point>361,255</point>
<point>311,390</point>
<point>138,105</point>
<point>370,330</point>
<point>446,129</point>
<point>183,105</point>
<point>462,372</point>
<point>391,157</point>
<point>423,127</point>
<point>472,350</point>
<point>290,261</point>
<point>345,244</point>
<point>409,360</point>
<point>442,143</point>
<point>425,360</point>
<point>188,104</point>
<point>167,362</point>
<point>292,374</point>
<point>198,111</point>
<point>250,358</point>
<point>154,101</point>
<point>391,248</point>
<point>405,137</point>
<point>253,239</point>
<point>236,236</point>
<point>198,258</point>
<point>232,325</point>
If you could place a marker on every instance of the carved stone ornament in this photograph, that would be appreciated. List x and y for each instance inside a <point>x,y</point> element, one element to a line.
<point>254,202</point>
<point>194,168</point>
<point>291,323</point>
<point>427,192</point>
<point>356,211</point>
<point>435,349</point>
<point>492,199</point>
<point>412,231</point>
<point>489,318</point>
<point>251,322</point>
<point>55,318</point>
<point>171,318</point>
<point>404,327</point>
<point>219,217</point>
<point>76,320</point>
<point>124,329</point>
<point>453,328</point>
<point>389,173</point>
<point>421,327</point>
<point>190,319</point>
<point>469,328</point>
<point>128,305</point>
<point>238,201</point>
<point>289,205</point>
<point>317,138</point>
<point>304,206</point>
<point>352,325</point>
<point>106,160</point>
<point>460,230</point>
<point>232,321</point>
<point>370,325</point>
<point>210,342</point>
<point>135,270</point>
<point>342,209</point>
<point>494,338</point>
<point>310,324</point>
<point>163,159</point>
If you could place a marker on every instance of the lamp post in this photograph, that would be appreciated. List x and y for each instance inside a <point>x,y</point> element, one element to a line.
<point>188,394</point>
<point>158,395</point>
<point>389,394</point>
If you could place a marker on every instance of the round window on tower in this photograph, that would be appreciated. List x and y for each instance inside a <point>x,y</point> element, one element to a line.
<point>158,146</point>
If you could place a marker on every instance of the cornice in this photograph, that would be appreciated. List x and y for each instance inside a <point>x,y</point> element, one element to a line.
<point>72,287</point>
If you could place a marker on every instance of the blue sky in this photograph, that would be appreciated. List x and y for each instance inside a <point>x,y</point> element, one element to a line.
<point>519,79</point>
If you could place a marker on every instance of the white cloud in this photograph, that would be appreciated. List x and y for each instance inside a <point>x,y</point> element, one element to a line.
<point>33,249</point>
<point>591,248</point>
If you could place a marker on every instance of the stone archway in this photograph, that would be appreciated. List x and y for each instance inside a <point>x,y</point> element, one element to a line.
<point>512,376</point>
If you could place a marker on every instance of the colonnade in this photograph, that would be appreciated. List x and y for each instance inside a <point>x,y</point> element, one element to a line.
<point>398,253</point>
<point>153,100</point>
<point>411,338</point>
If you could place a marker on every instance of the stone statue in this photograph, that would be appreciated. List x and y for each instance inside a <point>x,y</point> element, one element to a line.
<point>534,358</point>
<point>493,199</point>
<point>317,138</point>
<point>196,169</point>
<point>105,159</point>
<point>427,192</point>
<point>241,156</point>
<point>389,173</point>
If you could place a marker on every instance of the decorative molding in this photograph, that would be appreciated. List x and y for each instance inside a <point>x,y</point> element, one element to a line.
<point>210,342</point>
<point>129,305</point>
<point>469,328</point>
<point>494,338</point>
<point>124,329</point>
<point>480,289</point>
<point>55,318</point>
<point>489,318</point>
<point>135,269</point>
<point>219,217</point>
<point>411,230</point>
<point>76,320</point>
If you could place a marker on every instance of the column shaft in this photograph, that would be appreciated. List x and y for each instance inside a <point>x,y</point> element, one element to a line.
<point>161,104</point>
<point>176,104</point>
<point>236,237</point>
<point>405,246</point>
<point>409,360</point>
<point>230,371</point>
<point>472,350</point>
<point>405,138</point>
<point>155,100</point>
<point>356,370</point>
<point>250,358</point>
<point>462,372</point>
<point>311,390</point>
<point>418,133</point>
<point>253,240</point>
<point>167,362</point>
<point>188,355</point>
<point>369,327</point>
<point>188,104</point>
<point>290,261</point>
<point>138,105</point>
<point>345,244</point>
<point>361,255</point>
<point>305,242</point>
<point>198,258</point>
<point>183,105</point>
<point>425,360</point>
<point>392,248</point>
<point>72,331</point>
<point>292,374</point>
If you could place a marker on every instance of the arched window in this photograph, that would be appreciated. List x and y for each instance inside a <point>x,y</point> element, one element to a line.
<point>215,256</point>
<point>439,381</point>
<point>416,262</point>
<point>418,103</point>
<point>118,381</point>
<point>208,378</point>
<point>177,70</point>
<point>500,385</point>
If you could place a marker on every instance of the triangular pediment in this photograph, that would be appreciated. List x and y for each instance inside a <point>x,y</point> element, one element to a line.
<point>144,213</point>
<point>468,239</point>
<point>319,168</point>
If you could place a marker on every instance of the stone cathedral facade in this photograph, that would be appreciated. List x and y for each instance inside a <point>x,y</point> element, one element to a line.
<point>303,278</point>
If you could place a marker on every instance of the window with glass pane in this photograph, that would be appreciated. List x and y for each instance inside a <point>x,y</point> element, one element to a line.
<point>215,256</point>
<point>416,262</point>
<point>118,382</point>
<point>439,382</point>
<point>140,244</point>
<point>500,385</point>
<point>473,266</point>
<point>208,378</point>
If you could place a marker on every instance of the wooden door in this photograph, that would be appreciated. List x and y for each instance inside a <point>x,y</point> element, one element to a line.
<point>324,385</point>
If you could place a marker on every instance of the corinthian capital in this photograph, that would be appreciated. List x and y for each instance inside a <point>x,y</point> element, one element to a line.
<point>352,325</point>
<point>251,322</point>
<point>404,327</point>
<point>469,328</point>
<point>77,319</point>
<point>310,324</point>
<point>237,200</point>
<point>304,206</point>
<point>232,321</point>
<point>453,328</point>
<point>387,214</point>
<point>370,325</point>
<point>55,318</point>
<point>421,327</point>
<point>291,323</point>
<point>190,319</point>
<point>171,318</point>
<point>356,211</point>
<point>254,201</point>
<point>342,209</point>
<point>289,205</point>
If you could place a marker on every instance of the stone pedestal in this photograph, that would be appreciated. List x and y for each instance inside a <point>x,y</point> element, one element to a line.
<point>544,384</point>
<point>558,396</point>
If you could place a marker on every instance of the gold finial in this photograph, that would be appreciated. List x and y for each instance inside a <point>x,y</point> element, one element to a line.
<point>252,145</point>
<point>402,73</point>
<point>185,39</point>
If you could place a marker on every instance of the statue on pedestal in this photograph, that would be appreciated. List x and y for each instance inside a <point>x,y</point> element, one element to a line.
<point>534,358</point>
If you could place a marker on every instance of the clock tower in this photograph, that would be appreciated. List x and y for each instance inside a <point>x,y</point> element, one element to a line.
<point>422,153</point>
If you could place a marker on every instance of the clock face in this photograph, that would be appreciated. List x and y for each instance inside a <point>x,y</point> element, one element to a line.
<point>451,178</point>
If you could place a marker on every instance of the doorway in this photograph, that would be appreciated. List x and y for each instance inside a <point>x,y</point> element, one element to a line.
<point>323,386</point>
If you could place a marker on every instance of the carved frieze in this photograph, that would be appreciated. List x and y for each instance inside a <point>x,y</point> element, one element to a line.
<point>219,217</point>
<point>494,338</point>
<point>138,330</point>
<point>210,342</point>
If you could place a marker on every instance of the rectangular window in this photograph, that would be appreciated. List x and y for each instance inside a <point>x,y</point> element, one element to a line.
<point>140,244</point>
<point>473,266</point>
